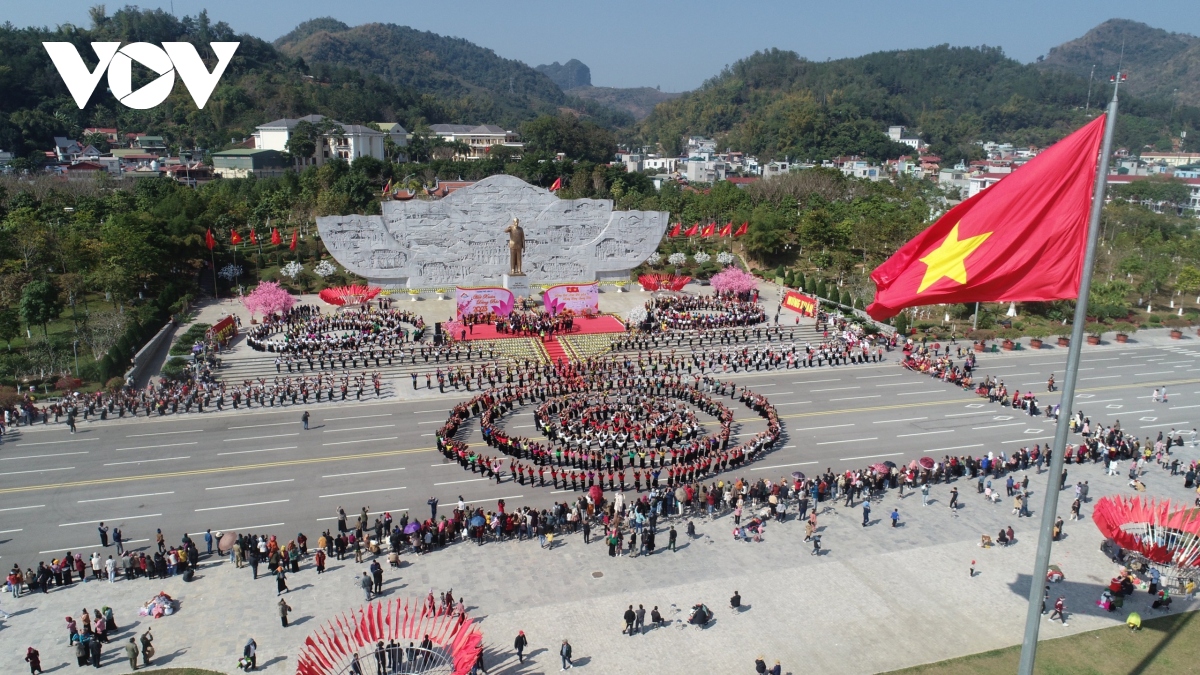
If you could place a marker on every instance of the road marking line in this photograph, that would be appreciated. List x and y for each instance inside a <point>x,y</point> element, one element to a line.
<point>152,447</point>
<point>359,473</point>
<point>238,506</point>
<point>233,529</point>
<point>429,422</point>
<point>836,379</point>
<point>998,426</point>
<point>265,482</point>
<point>816,391</point>
<point>255,438</point>
<point>791,403</point>
<point>165,433</point>
<point>362,440</point>
<point>1168,424</point>
<point>369,513</point>
<point>855,398</point>
<point>109,499</point>
<point>142,461</point>
<point>873,377</point>
<point>381,426</point>
<point>980,412</point>
<point>363,492</point>
<point>80,548</point>
<point>1026,440</point>
<point>468,501</point>
<point>469,480</point>
<point>1100,377</point>
<point>356,417</point>
<point>259,426</point>
<point>22,508</point>
<point>1174,407</point>
<point>243,452</point>
<point>780,466</point>
<point>17,473</point>
<point>56,454</point>
<point>890,454</point>
<point>955,447</point>
<point>424,412</point>
<point>849,440</point>
<point>906,419</point>
<point>11,531</point>
<point>111,520</point>
<point>894,384</point>
<point>832,426</point>
<point>926,433</point>
<point>69,440</point>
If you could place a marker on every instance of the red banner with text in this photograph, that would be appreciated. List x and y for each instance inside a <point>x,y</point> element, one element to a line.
<point>801,304</point>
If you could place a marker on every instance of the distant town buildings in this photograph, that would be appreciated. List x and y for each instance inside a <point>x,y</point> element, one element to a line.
<point>478,139</point>
<point>354,140</point>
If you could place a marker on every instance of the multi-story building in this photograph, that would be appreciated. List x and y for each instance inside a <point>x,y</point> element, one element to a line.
<point>353,142</point>
<point>478,138</point>
<point>900,134</point>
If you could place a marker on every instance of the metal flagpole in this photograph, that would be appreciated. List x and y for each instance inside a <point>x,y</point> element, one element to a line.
<point>1049,509</point>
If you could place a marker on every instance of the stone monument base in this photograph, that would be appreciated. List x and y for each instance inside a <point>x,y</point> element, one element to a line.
<point>519,285</point>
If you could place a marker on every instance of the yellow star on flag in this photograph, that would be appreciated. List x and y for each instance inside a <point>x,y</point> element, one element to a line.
<point>948,259</point>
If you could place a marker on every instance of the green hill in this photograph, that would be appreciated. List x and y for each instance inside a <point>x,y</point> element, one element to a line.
<point>777,104</point>
<point>1158,62</point>
<point>485,87</point>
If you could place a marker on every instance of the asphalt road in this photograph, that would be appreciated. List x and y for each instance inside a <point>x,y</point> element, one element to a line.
<point>259,470</point>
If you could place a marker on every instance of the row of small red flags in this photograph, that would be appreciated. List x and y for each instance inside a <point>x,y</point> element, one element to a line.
<point>234,238</point>
<point>709,230</point>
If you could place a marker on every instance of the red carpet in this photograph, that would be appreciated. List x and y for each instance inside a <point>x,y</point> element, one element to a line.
<point>600,324</point>
<point>556,352</point>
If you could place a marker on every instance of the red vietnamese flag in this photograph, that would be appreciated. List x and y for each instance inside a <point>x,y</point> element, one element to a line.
<point>675,230</point>
<point>275,238</point>
<point>743,229</point>
<point>557,184</point>
<point>1020,240</point>
<point>234,237</point>
<point>693,230</point>
<point>208,239</point>
<point>727,230</point>
<point>253,238</point>
<point>292,246</point>
<point>709,230</point>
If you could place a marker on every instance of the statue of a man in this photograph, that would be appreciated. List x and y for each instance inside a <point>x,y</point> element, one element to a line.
<point>516,247</point>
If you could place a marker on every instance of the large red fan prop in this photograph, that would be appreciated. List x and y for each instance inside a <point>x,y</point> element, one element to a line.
<point>1156,530</point>
<point>348,295</point>
<point>456,645</point>
<point>663,282</point>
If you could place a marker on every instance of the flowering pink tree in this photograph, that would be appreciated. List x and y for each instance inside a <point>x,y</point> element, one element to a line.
<point>269,297</point>
<point>733,279</point>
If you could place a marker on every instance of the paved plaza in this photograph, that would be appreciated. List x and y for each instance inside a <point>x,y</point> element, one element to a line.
<point>878,598</point>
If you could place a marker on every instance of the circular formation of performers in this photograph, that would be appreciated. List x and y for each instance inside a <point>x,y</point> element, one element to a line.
<point>602,423</point>
<point>700,312</point>
<point>305,332</point>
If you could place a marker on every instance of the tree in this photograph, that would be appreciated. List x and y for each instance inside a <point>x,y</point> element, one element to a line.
<point>733,279</point>
<point>581,141</point>
<point>1188,280</point>
<point>10,326</point>
<point>268,298</point>
<point>40,304</point>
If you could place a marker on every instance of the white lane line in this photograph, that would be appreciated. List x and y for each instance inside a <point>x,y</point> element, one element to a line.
<point>17,473</point>
<point>429,422</point>
<point>111,520</point>
<point>429,434</point>
<point>369,513</point>
<point>792,403</point>
<point>849,440</point>
<point>1026,440</point>
<point>109,499</point>
<point>362,440</point>
<point>1161,372</point>
<point>238,506</point>
<point>363,492</point>
<point>255,438</point>
<point>1100,377</point>
<point>1168,424</point>
<point>955,447</point>
<point>70,440</point>
<point>143,461</point>
<point>817,391</point>
<point>266,482</point>
<point>873,377</point>
<point>760,386</point>
<point>997,426</point>
<point>894,384</point>
<point>166,433</point>
<point>456,482</point>
<point>981,412</point>
<point>922,392</point>
<point>235,529</point>
<point>1115,358</point>
<point>356,417</point>
<point>468,501</point>
<point>445,464</point>
<point>926,433</point>
<point>152,447</point>
<point>1132,365</point>
<point>56,454</point>
<point>338,431</point>
<point>855,398</point>
<point>1019,374</point>
<point>1030,384</point>
<point>359,473</point>
<point>890,454</point>
<point>22,508</point>
<point>1176,407</point>
<point>243,452</point>
<point>525,426</point>
<point>836,379</point>
<point>11,531</point>
<point>780,466</point>
<point>559,492</point>
<point>832,426</point>
<point>259,426</point>
<point>783,393</point>
<point>1107,400</point>
<point>80,548</point>
<point>425,412</point>
<point>906,419</point>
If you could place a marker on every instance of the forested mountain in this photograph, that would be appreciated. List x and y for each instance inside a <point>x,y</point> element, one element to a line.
<point>485,87</point>
<point>575,78</point>
<point>1158,62</point>
<point>573,73</point>
<point>777,104</point>
<point>259,85</point>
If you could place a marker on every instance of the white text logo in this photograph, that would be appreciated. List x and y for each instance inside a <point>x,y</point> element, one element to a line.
<point>172,57</point>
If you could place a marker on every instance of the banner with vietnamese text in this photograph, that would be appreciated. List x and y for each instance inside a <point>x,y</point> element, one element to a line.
<point>801,304</point>
<point>579,298</point>
<point>483,300</point>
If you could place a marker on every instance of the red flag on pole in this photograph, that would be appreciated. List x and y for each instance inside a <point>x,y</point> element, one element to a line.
<point>234,237</point>
<point>743,229</point>
<point>675,230</point>
<point>253,238</point>
<point>557,184</point>
<point>208,239</point>
<point>693,230</point>
<point>1021,239</point>
<point>709,230</point>
<point>727,230</point>
<point>275,238</point>
<point>292,246</point>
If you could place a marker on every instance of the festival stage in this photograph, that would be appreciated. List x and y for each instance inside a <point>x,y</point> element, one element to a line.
<point>597,325</point>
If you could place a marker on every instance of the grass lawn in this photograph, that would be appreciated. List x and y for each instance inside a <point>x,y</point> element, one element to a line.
<point>1164,645</point>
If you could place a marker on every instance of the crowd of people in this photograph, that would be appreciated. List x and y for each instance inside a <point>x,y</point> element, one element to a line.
<point>701,312</point>
<point>306,332</point>
<point>535,323</point>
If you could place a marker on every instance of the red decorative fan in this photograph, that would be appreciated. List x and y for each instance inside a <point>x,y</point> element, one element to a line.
<point>1157,530</point>
<point>663,282</point>
<point>348,295</point>
<point>329,650</point>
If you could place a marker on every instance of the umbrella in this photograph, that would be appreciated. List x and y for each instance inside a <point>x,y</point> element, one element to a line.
<point>881,468</point>
<point>914,465</point>
<point>926,462</point>
<point>596,493</point>
<point>226,541</point>
<point>412,527</point>
<point>890,464</point>
<point>798,475</point>
<point>477,521</point>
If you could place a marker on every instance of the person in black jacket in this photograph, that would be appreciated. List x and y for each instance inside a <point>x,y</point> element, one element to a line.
<point>630,617</point>
<point>519,644</point>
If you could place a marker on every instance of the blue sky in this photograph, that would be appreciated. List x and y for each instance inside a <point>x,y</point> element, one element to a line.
<point>678,45</point>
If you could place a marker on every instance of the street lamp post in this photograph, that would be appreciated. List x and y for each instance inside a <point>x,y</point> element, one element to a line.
<point>75,348</point>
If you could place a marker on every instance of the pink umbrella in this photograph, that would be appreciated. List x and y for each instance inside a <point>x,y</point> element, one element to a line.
<point>926,462</point>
